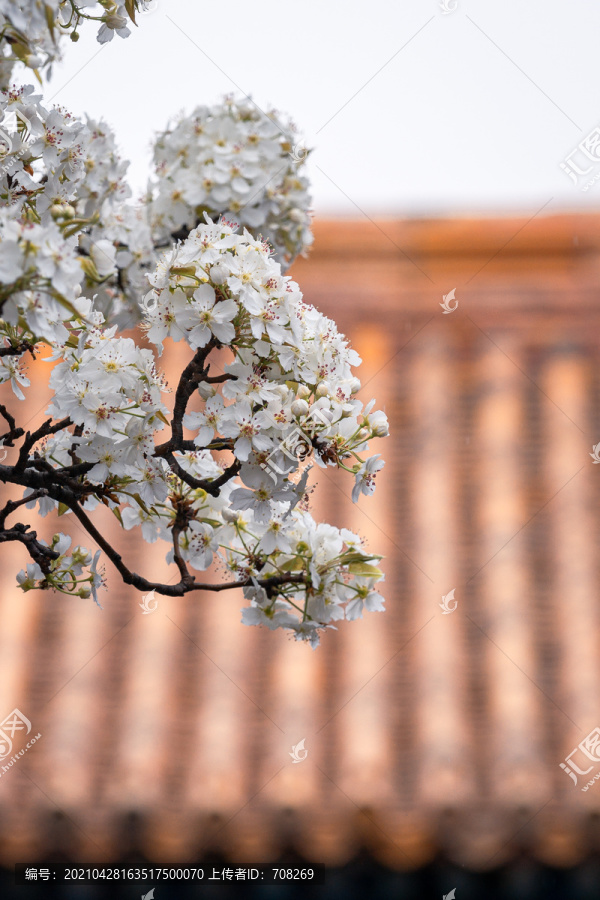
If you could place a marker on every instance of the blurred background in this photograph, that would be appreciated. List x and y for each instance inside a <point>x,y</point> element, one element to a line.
<point>455,157</point>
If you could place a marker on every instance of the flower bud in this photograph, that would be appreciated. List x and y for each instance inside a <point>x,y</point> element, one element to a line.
<point>322,389</point>
<point>62,211</point>
<point>381,429</point>
<point>355,386</point>
<point>281,390</point>
<point>206,390</point>
<point>230,515</point>
<point>218,274</point>
<point>300,408</point>
<point>114,20</point>
<point>303,392</point>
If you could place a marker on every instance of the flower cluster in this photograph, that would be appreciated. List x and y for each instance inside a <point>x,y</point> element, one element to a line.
<point>290,382</point>
<point>39,272</point>
<point>66,573</point>
<point>64,215</point>
<point>233,160</point>
<point>268,389</point>
<point>30,32</point>
<point>287,395</point>
<point>110,390</point>
<point>338,577</point>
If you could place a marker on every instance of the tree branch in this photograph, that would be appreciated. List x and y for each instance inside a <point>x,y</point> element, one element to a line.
<point>219,379</point>
<point>31,438</point>
<point>62,486</point>
<point>173,590</point>
<point>12,505</point>
<point>21,347</point>
<point>39,553</point>
<point>13,433</point>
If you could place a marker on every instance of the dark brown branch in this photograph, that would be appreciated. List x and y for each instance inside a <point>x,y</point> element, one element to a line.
<point>12,505</point>
<point>182,520</point>
<point>211,487</point>
<point>174,590</point>
<point>62,486</point>
<point>189,446</point>
<point>21,347</point>
<point>195,372</point>
<point>192,375</point>
<point>8,418</point>
<point>13,433</point>
<point>31,438</point>
<point>168,446</point>
<point>219,379</point>
<point>40,553</point>
<point>39,477</point>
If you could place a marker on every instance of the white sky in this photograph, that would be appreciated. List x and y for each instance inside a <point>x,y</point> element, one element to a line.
<point>448,125</point>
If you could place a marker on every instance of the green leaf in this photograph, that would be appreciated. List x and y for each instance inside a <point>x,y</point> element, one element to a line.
<point>117,513</point>
<point>294,565</point>
<point>62,509</point>
<point>361,568</point>
<point>130,7</point>
<point>357,557</point>
<point>142,504</point>
<point>89,268</point>
<point>49,19</point>
<point>21,51</point>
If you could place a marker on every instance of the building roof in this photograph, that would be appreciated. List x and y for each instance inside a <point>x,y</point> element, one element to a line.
<point>427,732</point>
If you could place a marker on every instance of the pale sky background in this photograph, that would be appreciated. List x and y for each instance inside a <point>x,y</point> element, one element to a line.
<point>409,111</point>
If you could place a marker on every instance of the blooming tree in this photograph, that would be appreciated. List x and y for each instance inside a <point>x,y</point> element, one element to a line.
<point>219,468</point>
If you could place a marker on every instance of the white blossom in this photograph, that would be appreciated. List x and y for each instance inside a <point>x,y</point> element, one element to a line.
<point>232,160</point>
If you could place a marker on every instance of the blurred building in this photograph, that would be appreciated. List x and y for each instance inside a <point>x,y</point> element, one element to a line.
<point>434,735</point>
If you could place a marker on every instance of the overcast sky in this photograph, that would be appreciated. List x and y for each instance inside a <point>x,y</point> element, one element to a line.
<point>409,110</point>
